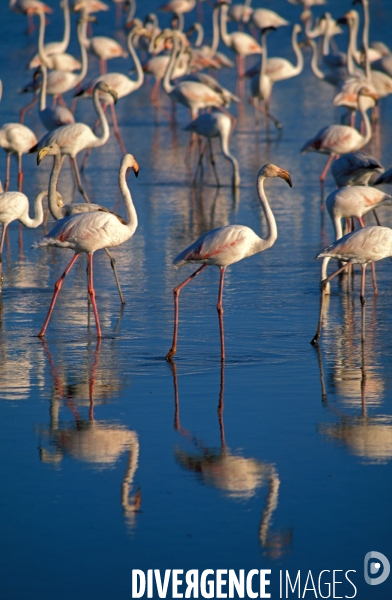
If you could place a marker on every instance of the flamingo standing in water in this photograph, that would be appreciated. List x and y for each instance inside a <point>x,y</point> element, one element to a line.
<point>29,8</point>
<point>359,247</point>
<point>59,211</point>
<point>88,232</point>
<point>18,139</point>
<point>79,136</point>
<point>15,206</point>
<point>211,125</point>
<point>227,245</point>
<point>340,139</point>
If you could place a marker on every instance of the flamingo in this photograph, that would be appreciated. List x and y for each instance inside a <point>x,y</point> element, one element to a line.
<point>52,116</point>
<point>55,52</point>
<point>347,203</point>
<point>335,76</point>
<point>354,168</point>
<point>192,94</point>
<point>104,48</point>
<point>239,42</point>
<point>261,85</point>
<point>79,136</point>
<point>361,247</point>
<point>88,232</point>
<point>264,17</point>
<point>226,245</point>
<point>18,139</point>
<point>216,124</point>
<point>179,8</point>
<point>29,8</point>
<point>340,139</point>
<point>122,85</point>
<point>15,206</point>
<point>59,211</point>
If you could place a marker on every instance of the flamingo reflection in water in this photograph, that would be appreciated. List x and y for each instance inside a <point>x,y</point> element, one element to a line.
<point>237,477</point>
<point>368,436</point>
<point>98,443</point>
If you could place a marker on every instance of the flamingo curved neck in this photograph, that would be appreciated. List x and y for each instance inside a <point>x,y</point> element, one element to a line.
<point>352,51</point>
<point>366,121</point>
<point>67,27</point>
<point>81,33</point>
<point>100,140</point>
<point>314,62</point>
<point>136,61</point>
<point>38,213</point>
<point>174,58</point>
<point>226,39</point>
<point>126,194</point>
<point>224,140</point>
<point>55,209</point>
<point>42,97</point>
<point>297,51</point>
<point>267,242</point>
<point>215,31</point>
<point>44,58</point>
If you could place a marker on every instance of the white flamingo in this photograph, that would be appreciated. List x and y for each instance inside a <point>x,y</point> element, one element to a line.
<point>340,139</point>
<point>355,168</point>
<point>122,84</point>
<point>227,245</point>
<point>216,124</point>
<point>242,44</point>
<point>15,206</point>
<point>361,247</point>
<point>52,116</point>
<point>59,211</point>
<point>18,139</point>
<point>79,136</point>
<point>88,232</point>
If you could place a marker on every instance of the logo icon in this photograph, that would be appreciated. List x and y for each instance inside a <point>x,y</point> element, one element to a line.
<point>376,564</point>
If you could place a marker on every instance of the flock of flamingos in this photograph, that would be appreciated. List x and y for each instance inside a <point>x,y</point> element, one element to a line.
<point>361,76</point>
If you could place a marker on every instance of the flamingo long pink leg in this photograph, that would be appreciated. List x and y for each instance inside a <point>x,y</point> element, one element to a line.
<point>78,180</point>
<point>20,173</point>
<point>91,292</point>
<point>362,224</point>
<point>116,129</point>
<point>1,254</point>
<point>325,171</point>
<point>323,286</point>
<point>57,288</point>
<point>220,312</point>
<point>176,294</point>
<point>363,284</point>
<point>7,172</point>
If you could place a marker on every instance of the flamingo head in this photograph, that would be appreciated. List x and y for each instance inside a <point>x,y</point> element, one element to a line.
<point>128,161</point>
<point>102,86</point>
<point>50,150</point>
<point>270,170</point>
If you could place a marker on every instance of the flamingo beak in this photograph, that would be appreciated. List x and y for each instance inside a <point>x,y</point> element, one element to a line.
<point>286,176</point>
<point>41,154</point>
<point>136,169</point>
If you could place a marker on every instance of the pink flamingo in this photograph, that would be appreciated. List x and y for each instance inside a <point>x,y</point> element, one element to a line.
<point>359,247</point>
<point>340,139</point>
<point>91,231</point>
<point>227,245</point>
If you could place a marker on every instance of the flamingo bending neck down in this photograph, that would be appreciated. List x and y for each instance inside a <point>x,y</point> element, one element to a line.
<point>360,247</point>
<point>59,211</point>
<point>216,124</point>
<point>88,232</point>
<point>79,136</point>
<point>15,206</point>
<point>227,245</point>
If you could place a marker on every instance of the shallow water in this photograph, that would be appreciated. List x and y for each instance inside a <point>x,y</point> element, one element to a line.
<point>114,459</point>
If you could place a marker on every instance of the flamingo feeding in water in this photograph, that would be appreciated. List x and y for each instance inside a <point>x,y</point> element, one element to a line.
<point>227,245</point>
<point>88,232</point>
<point>59,211</point>
<point>359,247</point>
<point>79,136</point>
<point>15,206</point>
